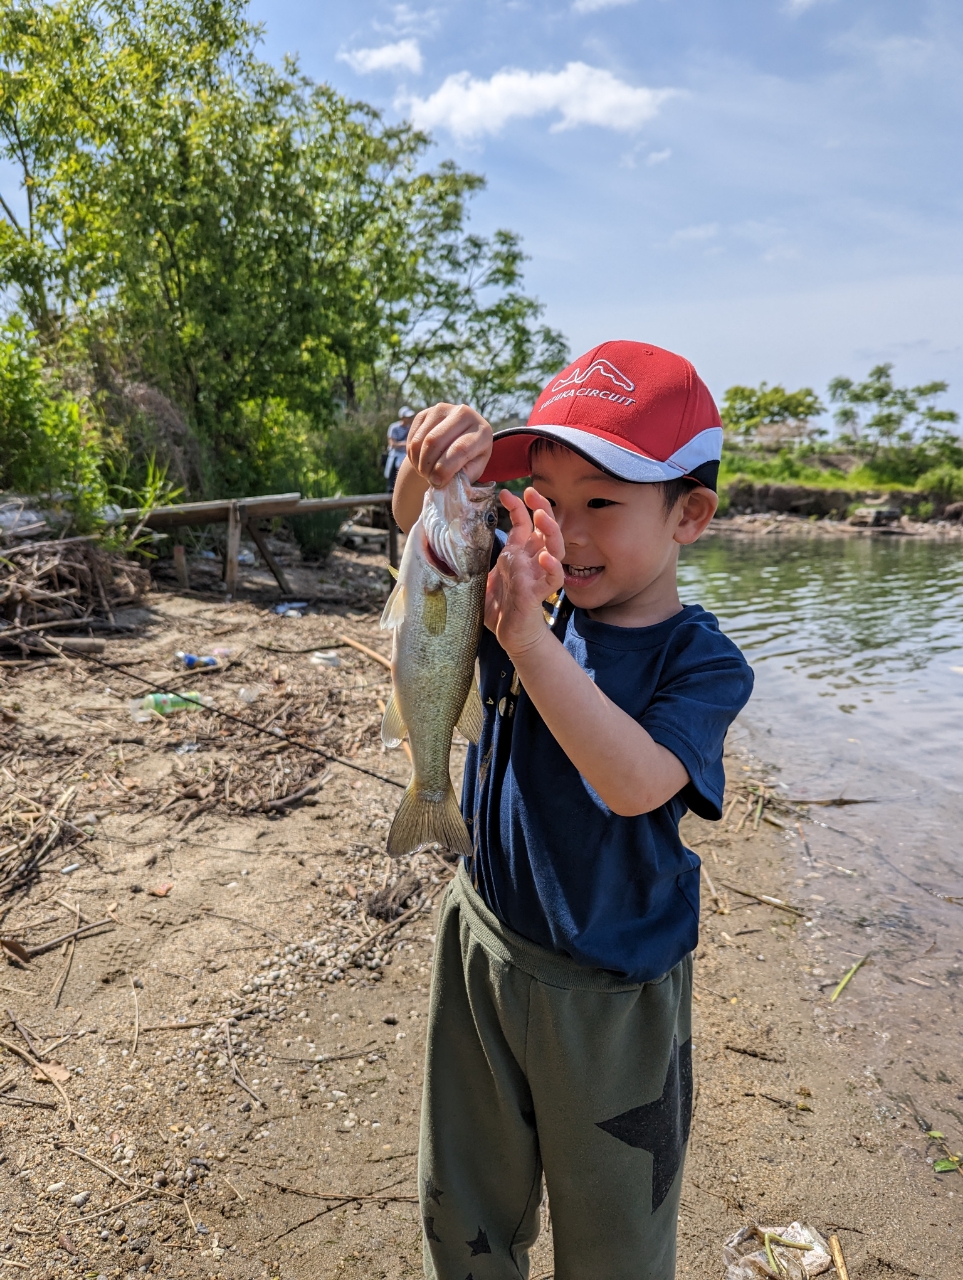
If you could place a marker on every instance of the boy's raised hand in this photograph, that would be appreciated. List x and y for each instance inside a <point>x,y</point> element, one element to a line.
<point>527,572</point>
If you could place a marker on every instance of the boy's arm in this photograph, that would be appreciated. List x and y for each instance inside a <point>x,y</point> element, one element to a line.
<point>627,768</point>
<point>443,440</point>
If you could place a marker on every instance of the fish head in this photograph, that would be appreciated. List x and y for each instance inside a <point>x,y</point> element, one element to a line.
<point>458,522</point>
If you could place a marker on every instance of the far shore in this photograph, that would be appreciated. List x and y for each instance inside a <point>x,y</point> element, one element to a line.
<point>760,524</point>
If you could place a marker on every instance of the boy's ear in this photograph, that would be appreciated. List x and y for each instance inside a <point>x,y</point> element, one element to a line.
<point>693,514</point>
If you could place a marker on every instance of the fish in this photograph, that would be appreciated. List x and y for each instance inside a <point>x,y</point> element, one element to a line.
<point>436,614</point>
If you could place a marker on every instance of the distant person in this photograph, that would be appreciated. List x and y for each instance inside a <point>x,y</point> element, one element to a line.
<point>559,1039</point>
<point>397,439</point>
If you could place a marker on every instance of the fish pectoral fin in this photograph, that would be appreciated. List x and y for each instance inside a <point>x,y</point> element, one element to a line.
<point>393,727</point>
<point>472,715</point>
<point>394,614</point>
<point>422,820</point>
<point>435,612</point>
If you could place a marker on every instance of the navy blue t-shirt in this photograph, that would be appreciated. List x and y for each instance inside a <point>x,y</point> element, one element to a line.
<point>551,860</point>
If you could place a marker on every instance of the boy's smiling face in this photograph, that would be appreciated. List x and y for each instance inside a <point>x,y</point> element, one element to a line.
<point>621,545</point>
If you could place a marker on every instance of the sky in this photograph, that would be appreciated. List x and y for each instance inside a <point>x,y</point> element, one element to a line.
<point>773,188</point>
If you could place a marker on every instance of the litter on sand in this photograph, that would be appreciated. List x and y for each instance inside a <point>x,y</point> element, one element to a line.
<point>292,609</point>
<point>320,659</point>
<point>796,1252</point>
<point>192,661</point>
<point>251,692</point>
<point>152,705</point>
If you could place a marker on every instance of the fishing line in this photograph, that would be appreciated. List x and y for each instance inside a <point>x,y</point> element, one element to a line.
<point>276,735</point>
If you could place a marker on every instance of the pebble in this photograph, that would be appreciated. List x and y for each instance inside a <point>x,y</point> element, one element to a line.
<point>80,1199</point>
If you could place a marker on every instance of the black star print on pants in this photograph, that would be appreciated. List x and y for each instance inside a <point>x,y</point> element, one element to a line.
<point>430,1230</point>
<point>432,1192</point>
<point>479,1244</point>
<point>661,1127</point>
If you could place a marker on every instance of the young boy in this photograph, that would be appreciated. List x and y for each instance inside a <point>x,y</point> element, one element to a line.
<point>559,1040</point>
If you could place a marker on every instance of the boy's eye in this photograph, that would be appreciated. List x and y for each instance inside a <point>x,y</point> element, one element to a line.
<point>601,502</point>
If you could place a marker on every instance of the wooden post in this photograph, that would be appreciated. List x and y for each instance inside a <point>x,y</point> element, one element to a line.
<point>392,540</point>
<point>180,567</point>
<point>232,549</point>
<point>269,560</point>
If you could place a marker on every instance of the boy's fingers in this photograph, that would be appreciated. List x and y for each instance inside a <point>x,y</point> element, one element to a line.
<point>552,568</point>
<point>536,501</point>
<point>547,526</point>
<point>446,438</point>
<point>513,504</point>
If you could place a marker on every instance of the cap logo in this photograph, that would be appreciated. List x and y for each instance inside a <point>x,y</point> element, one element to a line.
<point>604,368</point>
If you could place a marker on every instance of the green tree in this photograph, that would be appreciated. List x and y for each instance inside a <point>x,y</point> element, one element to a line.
<point>245,241</point>
<point>467,333</point>
<point>879,415</point>
<point>746,409</point>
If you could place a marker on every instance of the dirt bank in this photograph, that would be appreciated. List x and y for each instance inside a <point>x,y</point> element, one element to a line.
<point>779,524</point>
<point>244,1034</point>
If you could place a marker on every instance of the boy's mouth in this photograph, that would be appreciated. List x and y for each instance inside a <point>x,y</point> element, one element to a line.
<point>579,574</point>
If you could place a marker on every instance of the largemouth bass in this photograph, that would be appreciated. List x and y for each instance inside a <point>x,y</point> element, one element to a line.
<point>436,612</point>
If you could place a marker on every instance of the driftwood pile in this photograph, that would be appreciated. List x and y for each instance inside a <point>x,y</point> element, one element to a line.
<point>32,833</point>
<point>65,585</point>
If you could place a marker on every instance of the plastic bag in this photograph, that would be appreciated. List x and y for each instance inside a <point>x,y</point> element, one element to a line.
<point>746,1258</point>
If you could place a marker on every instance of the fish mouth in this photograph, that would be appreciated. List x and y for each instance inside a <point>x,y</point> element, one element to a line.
<point>437,563</point>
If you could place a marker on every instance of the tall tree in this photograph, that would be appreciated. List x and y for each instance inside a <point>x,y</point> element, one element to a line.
<point>877,414</point>
<point>235,235</point>
<point>746,409</point>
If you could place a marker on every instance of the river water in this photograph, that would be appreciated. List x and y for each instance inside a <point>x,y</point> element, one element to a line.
<point>857,646</point>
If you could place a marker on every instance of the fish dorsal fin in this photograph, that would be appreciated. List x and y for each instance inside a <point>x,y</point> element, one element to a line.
<point>436,612</point>
<point>472,715</point>
<point>393,727</point>
<point>394,614</point>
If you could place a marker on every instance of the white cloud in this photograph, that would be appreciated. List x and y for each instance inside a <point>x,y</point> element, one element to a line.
<point>800,6</point>
<point>593,6</point>
<point>658,157</point>
<point>581,94</point>
<point>404,55</point>
<point>705,231</point>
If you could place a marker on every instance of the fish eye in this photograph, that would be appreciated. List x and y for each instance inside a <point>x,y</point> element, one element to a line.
<point>490,518</point>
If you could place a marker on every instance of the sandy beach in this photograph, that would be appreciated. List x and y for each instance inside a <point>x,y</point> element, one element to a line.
<point>221,1076</point>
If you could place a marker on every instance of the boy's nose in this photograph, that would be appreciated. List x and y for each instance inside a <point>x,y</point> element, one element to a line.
<point>570,528</point>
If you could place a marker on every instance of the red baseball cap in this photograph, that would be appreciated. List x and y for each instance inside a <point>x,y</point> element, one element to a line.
<point>631,409</point>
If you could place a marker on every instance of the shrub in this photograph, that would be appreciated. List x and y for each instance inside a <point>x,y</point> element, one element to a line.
<point>48,447</point>
<point>944,484</point>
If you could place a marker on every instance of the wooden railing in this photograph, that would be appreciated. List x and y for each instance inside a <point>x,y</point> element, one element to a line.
<point>244,514</point>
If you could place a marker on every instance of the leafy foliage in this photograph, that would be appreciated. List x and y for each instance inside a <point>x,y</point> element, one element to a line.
<point>890,436</point>
<point>878,414</point>
<point>266,254</point>
<point>47,443</point>
<point>746,409</point>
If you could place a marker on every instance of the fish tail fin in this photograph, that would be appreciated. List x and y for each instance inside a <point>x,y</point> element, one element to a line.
<point>428,819</point>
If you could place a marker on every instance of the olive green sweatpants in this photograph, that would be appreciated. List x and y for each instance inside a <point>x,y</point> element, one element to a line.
<point>538,1066</point>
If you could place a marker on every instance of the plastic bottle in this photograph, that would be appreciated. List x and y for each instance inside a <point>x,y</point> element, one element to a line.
<point>164,704</point>
<point>192,660</point>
